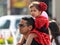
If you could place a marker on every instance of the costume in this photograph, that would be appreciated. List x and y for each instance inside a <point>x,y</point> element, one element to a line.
<point>41,26</point>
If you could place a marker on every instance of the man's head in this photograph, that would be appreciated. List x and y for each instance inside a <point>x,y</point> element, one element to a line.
<point>26,25</point>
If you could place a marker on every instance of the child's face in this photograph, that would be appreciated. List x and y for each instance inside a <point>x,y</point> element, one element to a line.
<point>35,12</point>
<point>23,27</point>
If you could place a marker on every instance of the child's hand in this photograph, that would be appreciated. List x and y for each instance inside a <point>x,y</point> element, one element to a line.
<point>24,44</point>
<point>19,44</point>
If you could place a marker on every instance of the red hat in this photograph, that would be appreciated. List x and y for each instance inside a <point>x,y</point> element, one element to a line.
<point>43,6</point>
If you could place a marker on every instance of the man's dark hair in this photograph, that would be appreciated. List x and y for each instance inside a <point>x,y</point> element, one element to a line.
<point>30,21</point>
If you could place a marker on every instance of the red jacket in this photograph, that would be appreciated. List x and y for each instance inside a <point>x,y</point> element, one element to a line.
<point>42,38</point>
<point>41,21</point>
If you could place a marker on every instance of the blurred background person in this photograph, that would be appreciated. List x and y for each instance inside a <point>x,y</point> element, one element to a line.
<point>19,7</point>
<point>54,28</point>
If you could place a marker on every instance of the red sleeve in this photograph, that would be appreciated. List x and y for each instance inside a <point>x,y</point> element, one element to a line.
<point>41,21</point>
<point>41,38</point>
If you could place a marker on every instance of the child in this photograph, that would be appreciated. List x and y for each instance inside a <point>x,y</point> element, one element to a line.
<point>41,22</point>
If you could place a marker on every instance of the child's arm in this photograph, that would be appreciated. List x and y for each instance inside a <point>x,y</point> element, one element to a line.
<point>21,41</point>
<point>30,38</point>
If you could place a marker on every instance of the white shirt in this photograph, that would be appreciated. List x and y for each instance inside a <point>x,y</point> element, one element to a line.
<point>44,14</point>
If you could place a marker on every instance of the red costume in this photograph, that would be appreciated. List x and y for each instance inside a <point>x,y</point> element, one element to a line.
<point>42,38</point>
<point>41,26</point>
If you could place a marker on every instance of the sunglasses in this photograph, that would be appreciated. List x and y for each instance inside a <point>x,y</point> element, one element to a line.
<point>22,25</point>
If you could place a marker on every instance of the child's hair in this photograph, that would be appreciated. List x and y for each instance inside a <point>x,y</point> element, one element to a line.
<point>41,6</point>
<point>30,21</point>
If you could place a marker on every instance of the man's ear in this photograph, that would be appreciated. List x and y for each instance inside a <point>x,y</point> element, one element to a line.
<point>30,27</point>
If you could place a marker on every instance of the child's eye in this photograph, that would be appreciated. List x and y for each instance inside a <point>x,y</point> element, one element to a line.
<point>33,10</point>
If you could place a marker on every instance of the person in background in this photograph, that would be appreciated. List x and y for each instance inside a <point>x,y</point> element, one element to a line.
<point>19,7</point>
<point>54,29</point>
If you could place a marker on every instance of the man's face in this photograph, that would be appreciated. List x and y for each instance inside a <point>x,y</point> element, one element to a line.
<point>23,27</point>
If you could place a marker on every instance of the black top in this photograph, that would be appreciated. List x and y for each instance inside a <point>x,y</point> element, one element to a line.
<point>33,42</point>
<point>43,29</point>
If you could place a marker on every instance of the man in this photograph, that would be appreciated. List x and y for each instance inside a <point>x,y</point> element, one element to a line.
<point>26,25</point>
